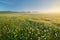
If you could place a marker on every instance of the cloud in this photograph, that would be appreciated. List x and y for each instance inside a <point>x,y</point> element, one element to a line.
<point>10,2</point>
<point>5,2</point>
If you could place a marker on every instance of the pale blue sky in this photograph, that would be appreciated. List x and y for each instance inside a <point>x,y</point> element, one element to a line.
<point>29,5</point>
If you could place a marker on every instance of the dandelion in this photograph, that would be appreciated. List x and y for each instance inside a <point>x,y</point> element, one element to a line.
<point>56,34</point>
<point>38,38</point>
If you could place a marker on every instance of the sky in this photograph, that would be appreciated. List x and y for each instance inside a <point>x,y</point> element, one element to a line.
<point>43,6</point>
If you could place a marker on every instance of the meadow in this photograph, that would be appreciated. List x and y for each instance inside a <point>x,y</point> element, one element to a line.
<point>29,27</point>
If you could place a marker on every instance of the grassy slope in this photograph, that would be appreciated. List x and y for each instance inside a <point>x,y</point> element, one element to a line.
<point>29,27</point>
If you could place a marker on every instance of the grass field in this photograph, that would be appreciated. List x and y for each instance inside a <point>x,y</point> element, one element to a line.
<point>29,27</point>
